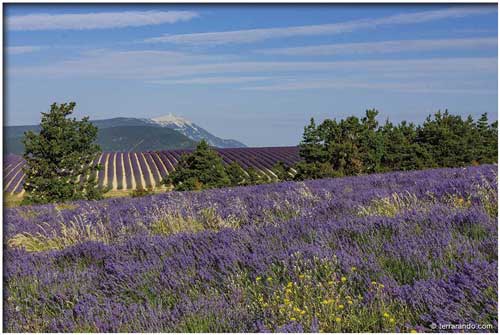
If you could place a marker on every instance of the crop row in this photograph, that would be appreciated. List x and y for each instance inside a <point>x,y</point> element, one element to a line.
<point>131,170</point>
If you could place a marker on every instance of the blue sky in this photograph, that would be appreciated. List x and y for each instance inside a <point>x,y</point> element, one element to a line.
<point>255,73</point>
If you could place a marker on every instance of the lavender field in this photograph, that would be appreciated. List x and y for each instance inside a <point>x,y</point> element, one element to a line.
<point>404,252</point>
<point>132,170</point>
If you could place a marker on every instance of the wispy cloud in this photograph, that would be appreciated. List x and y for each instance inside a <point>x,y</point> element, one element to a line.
<point>294,85</point>
<point>17,50</point>
<point>254,35</point>
<point>209,80</point>
<point>384,47</point>
<point>96,20</point>
<point>159,65</point>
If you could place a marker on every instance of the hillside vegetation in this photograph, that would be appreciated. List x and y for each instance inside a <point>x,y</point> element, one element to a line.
<point>142,138</point>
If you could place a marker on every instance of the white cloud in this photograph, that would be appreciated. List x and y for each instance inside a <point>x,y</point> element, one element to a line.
<point>159,65</point>
<point>254,35</point>
<point>209,80</point>
<point>472,75</point>
<point>17,50</point>
<point>422,87</point>
<point>384,47</point>
<point>95,20</point>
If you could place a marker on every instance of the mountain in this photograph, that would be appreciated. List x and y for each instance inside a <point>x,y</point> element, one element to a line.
<point>133,134</point>
<point>142,138</point>
<point>194,131</point>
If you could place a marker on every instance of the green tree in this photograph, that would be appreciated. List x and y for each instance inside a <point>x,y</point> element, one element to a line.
<point>448,138</point>
<point>254,177</point>
<point>59,158</point>
<point>314,170</point>
<point>486,140</point>
<point>202,169</point>
<point>236,174</point>
<point>371,143</point>
<point>401,152</point>
<point>343,146</point>
<point>282,172</point>
<point>354,146</point>
<point>312,147</point>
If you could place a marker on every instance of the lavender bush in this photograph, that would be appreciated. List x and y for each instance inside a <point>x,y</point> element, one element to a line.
<point>400,252</point>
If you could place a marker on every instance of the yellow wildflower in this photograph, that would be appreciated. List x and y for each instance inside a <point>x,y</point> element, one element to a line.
<point>374,283</point>
<point>381,285</point>
<point>343,279</point>
<point>392,320</point>
<point>340,306</point>
<point>302,312</point>
<point>290,284</point>
<point>296,309</point>
<point>413,331</point>
<point>286,301</point>
<point>349,302</point>
<point>338,319</point>
<point>330,282</point>
<point>353,268</point>
<point>386,315</point>
<point>265,304</point>
<point>258,278</point>
<point>293,319</point>
<point>301,276</point>
<point>269,279</point>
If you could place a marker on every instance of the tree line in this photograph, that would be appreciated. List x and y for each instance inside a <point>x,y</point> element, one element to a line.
<point>59,158</point>
<point>354,146</point>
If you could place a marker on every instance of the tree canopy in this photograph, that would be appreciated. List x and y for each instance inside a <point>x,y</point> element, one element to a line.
<point>354,146</point>
<point>59,158</point>
<point>199,170</point>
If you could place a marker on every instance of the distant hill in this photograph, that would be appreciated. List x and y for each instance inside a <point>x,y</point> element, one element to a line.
<point>134,134</point>
<point>142,138</point>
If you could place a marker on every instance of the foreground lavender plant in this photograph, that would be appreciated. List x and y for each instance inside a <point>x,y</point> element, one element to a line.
<point>389,252</point>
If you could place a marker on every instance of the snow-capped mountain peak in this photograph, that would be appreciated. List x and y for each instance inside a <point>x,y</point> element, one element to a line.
<point>171,119</point>
<point>192,130</point>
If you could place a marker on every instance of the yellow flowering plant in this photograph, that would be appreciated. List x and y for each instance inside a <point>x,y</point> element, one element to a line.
<point>315,291</point>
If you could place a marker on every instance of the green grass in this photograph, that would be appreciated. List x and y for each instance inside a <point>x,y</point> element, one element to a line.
<point>76,231</point>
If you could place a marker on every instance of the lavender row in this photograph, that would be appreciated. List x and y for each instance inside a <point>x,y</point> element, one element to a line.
<point>345,193</point>
<point>119,170</point>
<point>154,169</point>
<point>135,170</point>
<point>144,169</point>
<point>160,164</point>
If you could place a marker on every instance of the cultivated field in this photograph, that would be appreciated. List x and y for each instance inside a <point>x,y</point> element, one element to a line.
<point>132,170</point>
<point>385,252</point>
